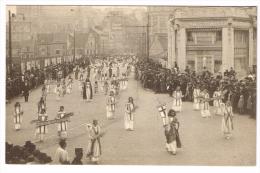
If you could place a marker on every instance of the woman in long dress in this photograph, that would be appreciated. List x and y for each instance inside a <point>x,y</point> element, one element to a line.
<point>129,114</point>
<point>18,112</point>
<point>94,145</point>
<point>217,101</point>
<point>111,105</point>
<point>227,120</point>
<point>177,100</point>
<point>205,113</point>
<point>196,101</point>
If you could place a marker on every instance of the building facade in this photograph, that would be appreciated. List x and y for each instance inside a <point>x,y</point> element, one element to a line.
<point>213,38</point>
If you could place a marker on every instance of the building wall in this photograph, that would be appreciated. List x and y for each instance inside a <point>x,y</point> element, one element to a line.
<point>219,42</point>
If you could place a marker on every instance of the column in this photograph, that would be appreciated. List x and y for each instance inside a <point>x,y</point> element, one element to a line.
<point>251,48</point>
<point>181,59</point>
<point>171,46</point>
<point>227,48</point>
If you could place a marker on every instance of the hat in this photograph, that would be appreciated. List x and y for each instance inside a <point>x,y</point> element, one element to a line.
<point>171,113</point>
<point>78,151</point>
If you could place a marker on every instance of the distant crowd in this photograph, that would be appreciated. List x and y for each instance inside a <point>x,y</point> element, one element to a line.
<point>241,93</point>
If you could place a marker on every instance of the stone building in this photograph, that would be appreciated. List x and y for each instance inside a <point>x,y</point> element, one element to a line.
<point>215,38</point>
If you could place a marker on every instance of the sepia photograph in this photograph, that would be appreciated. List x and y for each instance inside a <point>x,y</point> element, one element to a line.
<point>130,85</point>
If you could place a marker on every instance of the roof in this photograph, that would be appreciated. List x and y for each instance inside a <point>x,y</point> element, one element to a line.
<point>202,12</point>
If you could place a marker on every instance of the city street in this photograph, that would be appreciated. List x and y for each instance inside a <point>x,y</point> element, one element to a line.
<point>202,140</point>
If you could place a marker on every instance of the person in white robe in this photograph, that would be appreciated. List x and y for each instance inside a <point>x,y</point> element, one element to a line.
<point>94,144</point>
<point>205,113</point>
<point>227,119</point>
<point>41,130</point>
<point>47,84</point>
<point>129,114</point>
<point>217,102</point>
<point>196,100</point>
<point>110,105</point>
<point>89,93</point>
<point>69,85</point>
<point>18,116</point>
<point>62,126</point>
<point>177,100</point>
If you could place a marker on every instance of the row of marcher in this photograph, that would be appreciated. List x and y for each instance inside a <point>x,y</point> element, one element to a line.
<point>62,86</point>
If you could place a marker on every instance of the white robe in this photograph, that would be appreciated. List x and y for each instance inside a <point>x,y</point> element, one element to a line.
<point>110,107</point>
<point>227,124</point>
<point>62,126</point>
<point>94,147</point>
<point>177,102</point>
<point>129,116</point>
<point>205,107</point>
<point>196,101</point>
<point>17,118</point>
<point>217,103</point>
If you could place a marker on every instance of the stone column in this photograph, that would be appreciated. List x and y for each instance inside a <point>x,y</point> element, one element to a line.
<point>181,59</point>
<point>227,48</point>
<point>251,47</point>
<point>171,46</point>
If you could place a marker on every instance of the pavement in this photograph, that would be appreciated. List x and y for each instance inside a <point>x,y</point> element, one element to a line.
<point>202,140</point>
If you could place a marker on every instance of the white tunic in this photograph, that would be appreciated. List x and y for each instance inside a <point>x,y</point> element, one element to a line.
<point>177,102</point>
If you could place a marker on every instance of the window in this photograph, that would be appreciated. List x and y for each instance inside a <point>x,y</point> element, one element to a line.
<point>189,36</point>
<point>57,52</point>
<point>219,36</point>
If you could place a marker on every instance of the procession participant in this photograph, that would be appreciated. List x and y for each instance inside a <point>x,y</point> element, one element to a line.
<point>76,72</point>
<point>94,145</point>
<point>63,88</point>
<point>47,84</point>
<point>196,100</point>
<point>89,93</point>
<point>106,87</point>
<point>18,112</point>
<point>81,74</point>
<point>129,115</point>
<point>26,91</point>
<point>63,125</point>
<point>69,85</point>
<point>177,102</point>
<point>58,91</point>
<point>41,130</point>
<point>205,113</point>
<point>240,104</point>
<point>110,105</point>
<point>171,137</point>
<point>125,82</point>
<point>61,155</point>
<point>227,120</point>
<point>41,105</point>
<point>44,93</point>
<point>78,157</point>
<point>217,101</point>
<point>96,87</point>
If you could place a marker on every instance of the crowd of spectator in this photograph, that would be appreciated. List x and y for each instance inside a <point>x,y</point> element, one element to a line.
<point>241,92</point>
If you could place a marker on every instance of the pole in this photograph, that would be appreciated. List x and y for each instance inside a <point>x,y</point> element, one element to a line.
<point>10,45</point>
<point>74,55</point>
<point>147,35</point>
